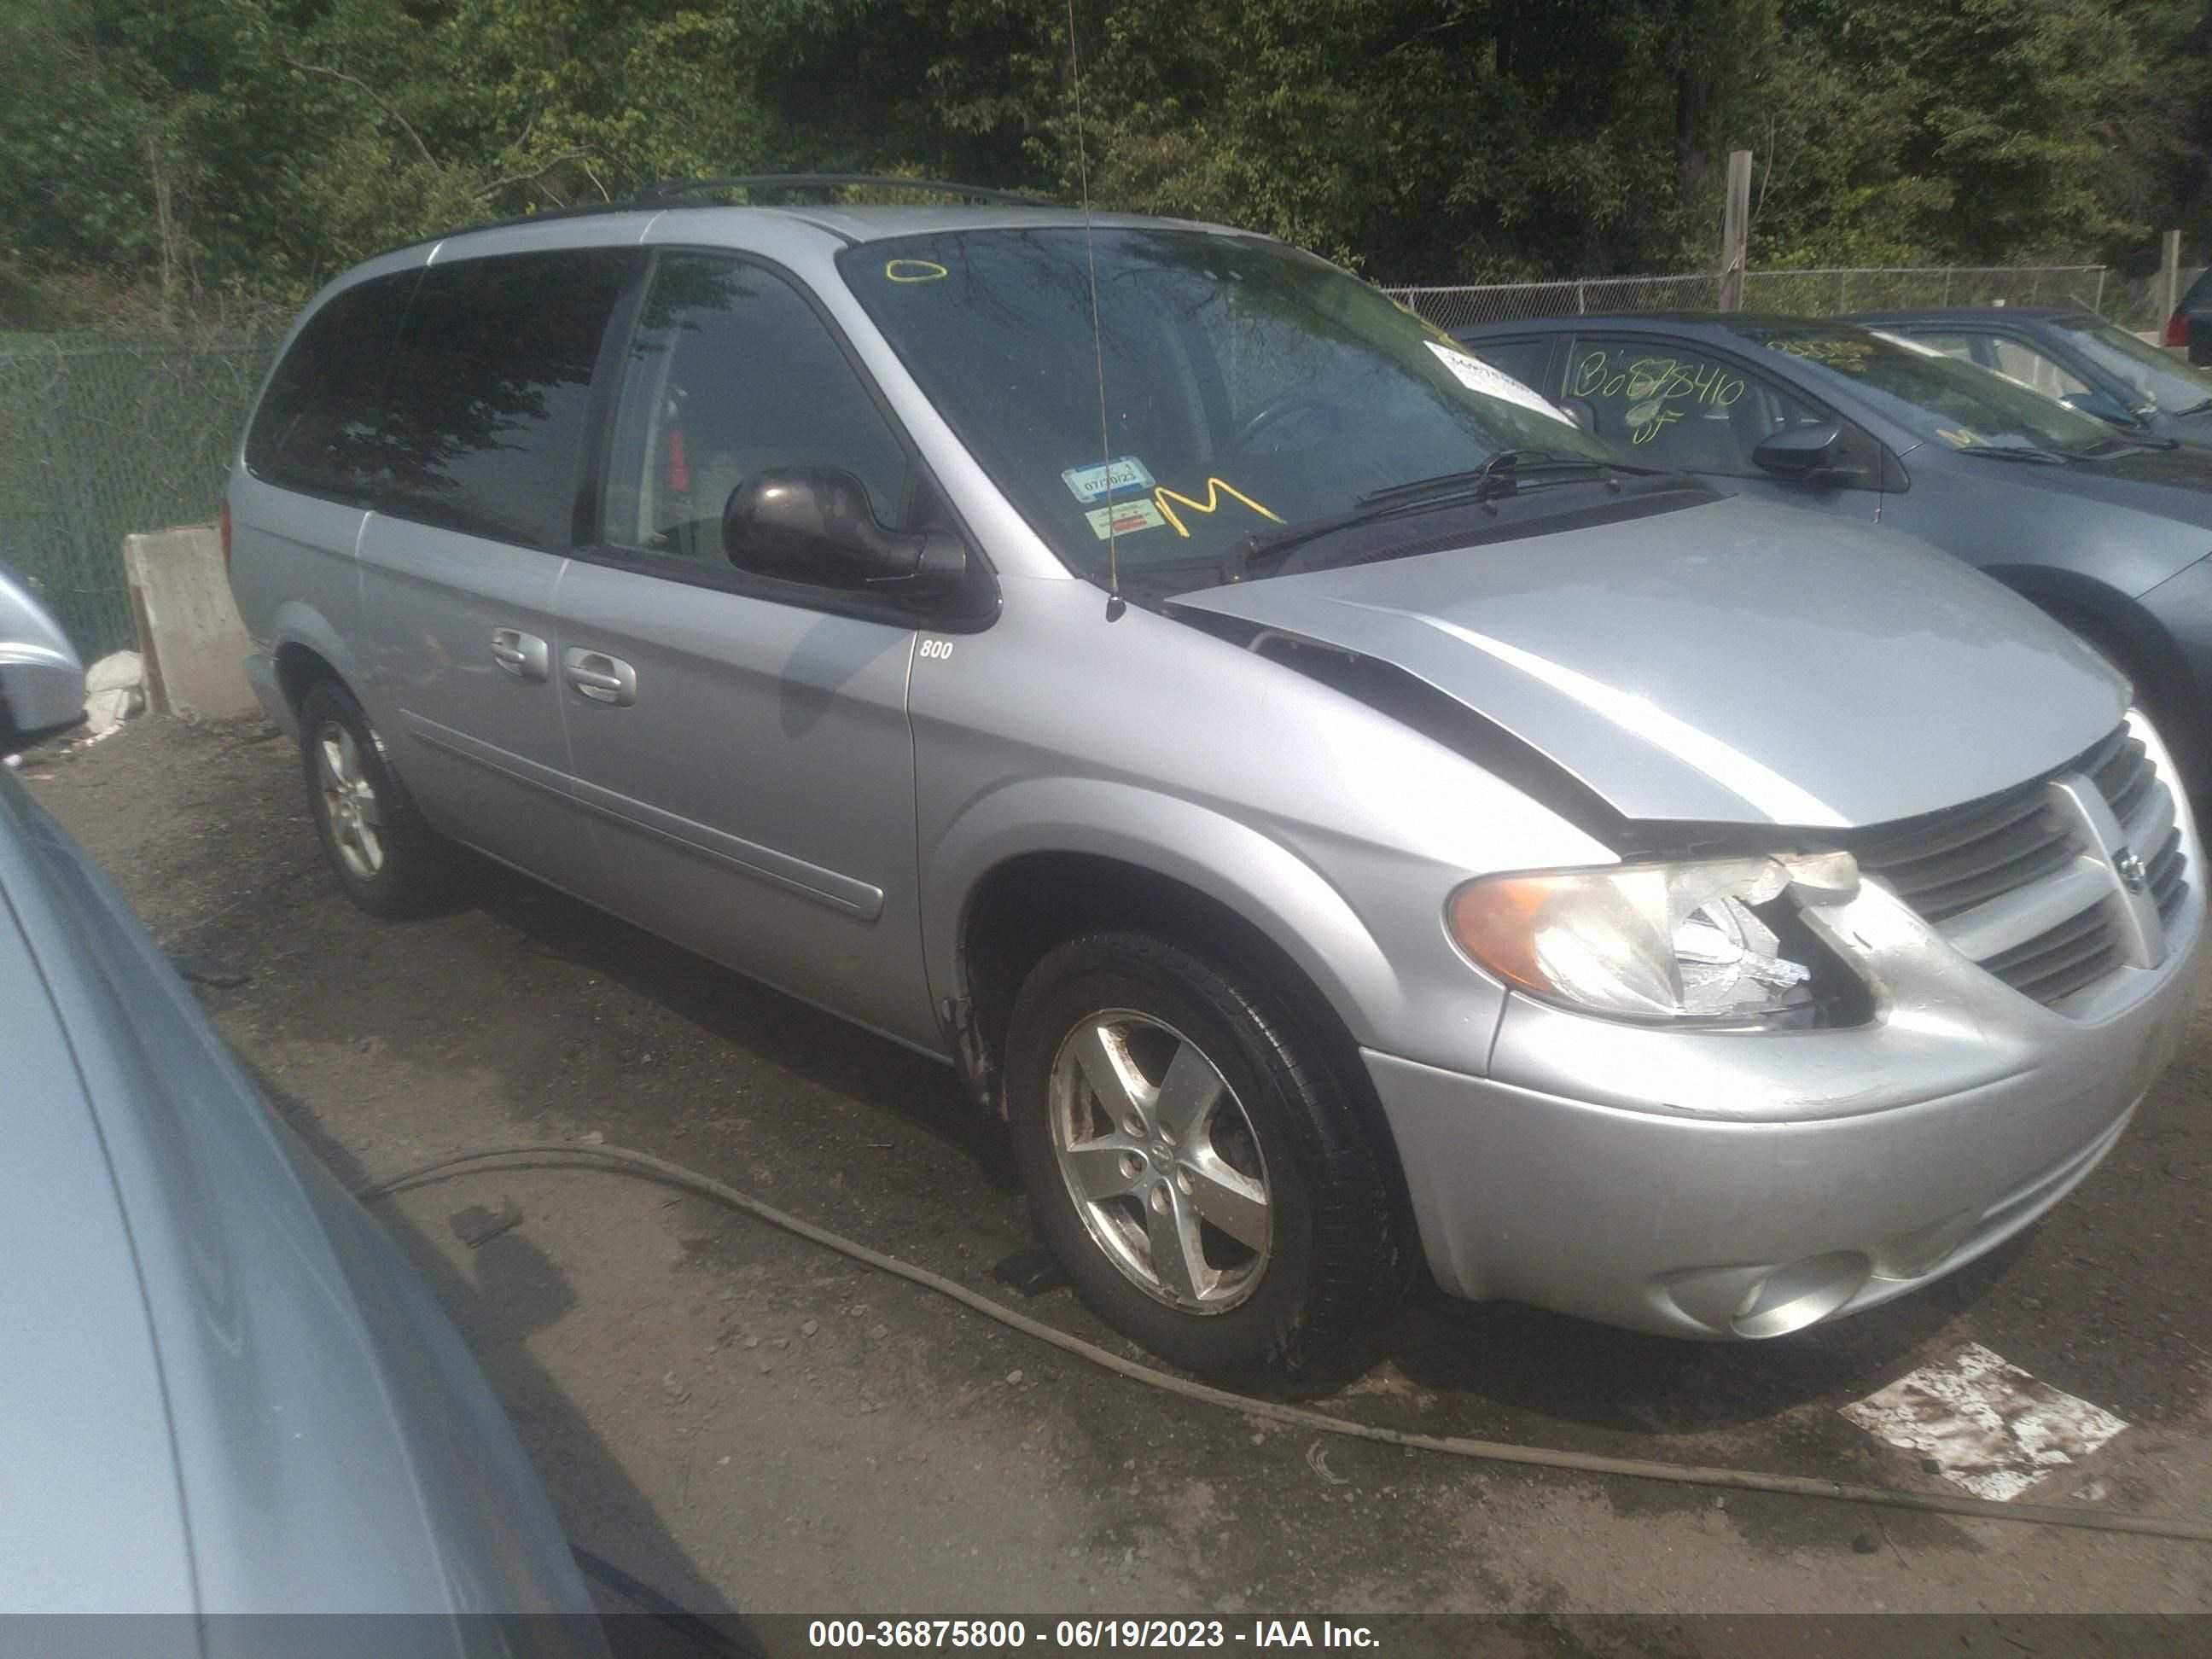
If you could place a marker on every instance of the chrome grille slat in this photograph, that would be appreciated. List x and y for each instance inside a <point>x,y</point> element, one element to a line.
<point>2105,753</point>
<point>2152,826</point>
<point>2006,883</point>
<point>2076,976</point>
<point>2125,785</point>
<point>2062,947</point>
<point>1955,881</point>
<point>1997,926</point>
<point>2172,903</point>
<point>2168,889</point>
<point>1953,830</point>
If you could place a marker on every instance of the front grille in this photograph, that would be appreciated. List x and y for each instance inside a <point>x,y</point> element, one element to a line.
<point>2061,960</point>
<point>1967,857</point>
<point>2002,878</point>
<point>2129,782</point>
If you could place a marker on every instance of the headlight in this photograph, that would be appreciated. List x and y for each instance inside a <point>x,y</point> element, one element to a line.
<point>1653,941</point>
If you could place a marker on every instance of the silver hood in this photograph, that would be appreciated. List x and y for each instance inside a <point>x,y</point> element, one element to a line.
<point>1730,663</point>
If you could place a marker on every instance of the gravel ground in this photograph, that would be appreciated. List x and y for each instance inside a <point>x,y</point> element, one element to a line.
<point>750,1423</point>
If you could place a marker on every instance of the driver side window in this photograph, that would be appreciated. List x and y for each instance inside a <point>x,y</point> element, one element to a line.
<point>731,373</point>
<point>1672,404</point>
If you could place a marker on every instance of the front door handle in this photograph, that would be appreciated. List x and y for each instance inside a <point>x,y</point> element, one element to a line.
<point>523,655</point>
<point>599,677</point>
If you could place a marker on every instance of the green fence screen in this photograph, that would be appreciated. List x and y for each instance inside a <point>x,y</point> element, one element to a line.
<point>101,437</point>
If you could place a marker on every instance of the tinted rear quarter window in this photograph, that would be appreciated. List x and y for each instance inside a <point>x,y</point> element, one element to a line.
<point>1524,359</point>
<point>489,388</point>
<point>317,428</point>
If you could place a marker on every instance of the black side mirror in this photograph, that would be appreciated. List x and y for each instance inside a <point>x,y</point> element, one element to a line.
<point>813,524</point>
<point>41,681</point>
<point>1812,453</point>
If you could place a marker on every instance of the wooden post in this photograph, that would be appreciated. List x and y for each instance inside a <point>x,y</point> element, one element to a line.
<point>2169,275</point>
<point>1736,230</point>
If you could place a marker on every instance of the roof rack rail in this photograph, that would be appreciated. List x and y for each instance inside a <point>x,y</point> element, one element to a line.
<point>667,189</point>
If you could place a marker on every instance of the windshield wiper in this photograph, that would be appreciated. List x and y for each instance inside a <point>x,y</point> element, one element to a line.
<point>2014,453</point>
<point>1506,466</point>
<point>2194,409</point>
<point>1494,476</point>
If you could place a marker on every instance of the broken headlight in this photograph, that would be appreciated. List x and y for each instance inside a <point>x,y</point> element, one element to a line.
<point>1714,940</point>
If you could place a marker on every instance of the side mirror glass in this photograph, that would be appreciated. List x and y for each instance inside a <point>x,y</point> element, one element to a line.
<point>41,681</point>
<point>1813,453</point>
<point>814,524</point>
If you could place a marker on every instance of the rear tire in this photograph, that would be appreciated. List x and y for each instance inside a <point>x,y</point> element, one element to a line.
<point>390,862</point>
<point>1196,1163</point>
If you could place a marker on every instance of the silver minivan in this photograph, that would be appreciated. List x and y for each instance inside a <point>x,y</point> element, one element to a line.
<point>1342,816</point>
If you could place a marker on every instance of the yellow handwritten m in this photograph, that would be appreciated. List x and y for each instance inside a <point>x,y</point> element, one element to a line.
<point>1215,490</point>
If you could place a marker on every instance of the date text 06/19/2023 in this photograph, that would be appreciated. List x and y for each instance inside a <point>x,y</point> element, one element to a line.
<point>1086,1635</point>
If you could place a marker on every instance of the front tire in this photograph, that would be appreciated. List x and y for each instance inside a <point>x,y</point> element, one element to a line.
<point>1196,1162</point>
<point>390,862</point>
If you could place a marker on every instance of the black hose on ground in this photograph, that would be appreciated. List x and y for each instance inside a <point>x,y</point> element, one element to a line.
<point>645,1165</point>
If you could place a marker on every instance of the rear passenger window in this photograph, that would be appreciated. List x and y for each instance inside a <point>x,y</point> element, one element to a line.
<point>1523,359</point>
<point>490,384</point>
<point>730,374</point>
<point>318,426</point>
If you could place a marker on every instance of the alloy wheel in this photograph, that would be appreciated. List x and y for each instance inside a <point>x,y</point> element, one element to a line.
<point>1161,1161</point>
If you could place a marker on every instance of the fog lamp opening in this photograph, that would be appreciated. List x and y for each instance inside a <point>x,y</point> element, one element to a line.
<point>1803,1293</point>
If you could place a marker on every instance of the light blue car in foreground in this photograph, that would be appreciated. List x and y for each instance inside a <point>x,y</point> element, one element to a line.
<point>225,1391</point>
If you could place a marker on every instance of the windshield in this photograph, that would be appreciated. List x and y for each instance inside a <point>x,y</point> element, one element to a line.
<point>1939,398</point>
<point>2158,380</point>
<point>1245,384</point>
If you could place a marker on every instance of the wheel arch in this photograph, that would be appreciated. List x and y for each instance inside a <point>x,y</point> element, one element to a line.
<point>1132,858</point>
<point>305,649</point>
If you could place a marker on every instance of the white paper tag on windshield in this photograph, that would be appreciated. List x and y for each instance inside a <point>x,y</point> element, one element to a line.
<point>1124,518</point>
<point>1476,375</point>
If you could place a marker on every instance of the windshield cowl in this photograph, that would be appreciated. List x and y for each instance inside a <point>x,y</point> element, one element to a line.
<point>1434,526</point>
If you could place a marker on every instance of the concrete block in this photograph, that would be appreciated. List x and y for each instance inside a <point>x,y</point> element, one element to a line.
<point>194,644</point>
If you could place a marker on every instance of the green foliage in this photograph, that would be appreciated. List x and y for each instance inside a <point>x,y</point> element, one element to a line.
<point>171,159</point>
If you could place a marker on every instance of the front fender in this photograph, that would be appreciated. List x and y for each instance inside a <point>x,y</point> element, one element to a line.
<point>1261,879</point>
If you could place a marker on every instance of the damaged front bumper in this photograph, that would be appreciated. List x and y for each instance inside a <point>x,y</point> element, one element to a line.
<point>1750,1183</point>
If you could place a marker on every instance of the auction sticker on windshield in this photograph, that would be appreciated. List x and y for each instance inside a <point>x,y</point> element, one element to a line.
<point>1476,375</point>
<point>1115,477</point>
<point>1124,518</point>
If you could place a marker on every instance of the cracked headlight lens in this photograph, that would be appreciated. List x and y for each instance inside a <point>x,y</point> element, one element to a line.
<point>1649,941</point>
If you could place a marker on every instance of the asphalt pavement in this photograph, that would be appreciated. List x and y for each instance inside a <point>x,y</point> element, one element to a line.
<point>749,1422</point>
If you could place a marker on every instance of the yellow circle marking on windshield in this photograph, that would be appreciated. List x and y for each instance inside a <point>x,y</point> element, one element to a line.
<point>914,270</point>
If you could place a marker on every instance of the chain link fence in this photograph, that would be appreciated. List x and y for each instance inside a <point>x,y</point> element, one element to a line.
<point>1826,293</point>
<point>1511,302</point>
<point>101,437</point>
<point>2139,302</point>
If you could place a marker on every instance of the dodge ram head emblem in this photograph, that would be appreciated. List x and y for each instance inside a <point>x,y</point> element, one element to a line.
<point>2132,874</point>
